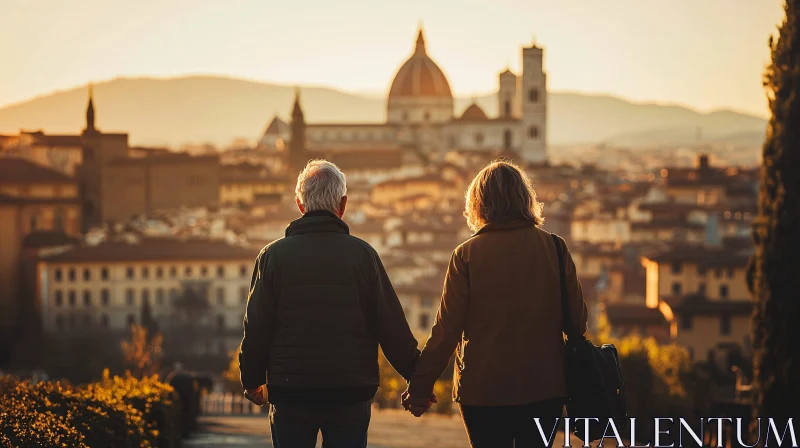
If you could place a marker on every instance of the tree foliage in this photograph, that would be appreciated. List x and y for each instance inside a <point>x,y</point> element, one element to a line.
<point>773,277</point>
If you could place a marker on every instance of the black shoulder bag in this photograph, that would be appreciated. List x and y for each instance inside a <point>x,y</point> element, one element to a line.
<point>595,388</point>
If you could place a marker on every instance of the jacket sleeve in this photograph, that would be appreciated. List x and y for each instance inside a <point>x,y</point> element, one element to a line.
<point>258,323</point>
<point>447,329</point>
<point>388,322</point>
<point>577,306</point>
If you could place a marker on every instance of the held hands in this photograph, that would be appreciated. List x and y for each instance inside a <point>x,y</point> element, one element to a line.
<point>259,396</point>
<point>416,405</point>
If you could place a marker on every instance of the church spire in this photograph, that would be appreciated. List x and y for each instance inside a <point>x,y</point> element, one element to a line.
<point>90,111</point>
<point>297,145</point>
<point>420,40</point>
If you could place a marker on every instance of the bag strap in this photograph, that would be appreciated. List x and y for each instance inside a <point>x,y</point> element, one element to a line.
<point>566,317</point>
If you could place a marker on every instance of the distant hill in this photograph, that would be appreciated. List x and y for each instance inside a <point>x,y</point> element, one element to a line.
<point>172,111</point>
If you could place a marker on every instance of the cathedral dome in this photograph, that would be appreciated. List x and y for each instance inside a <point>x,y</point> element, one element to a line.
<point>419,76</point>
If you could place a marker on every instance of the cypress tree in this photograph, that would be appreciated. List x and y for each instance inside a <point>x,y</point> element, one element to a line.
<point>775,269</point>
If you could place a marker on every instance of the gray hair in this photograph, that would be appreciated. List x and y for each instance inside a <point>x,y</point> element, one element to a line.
<point>321,186</point>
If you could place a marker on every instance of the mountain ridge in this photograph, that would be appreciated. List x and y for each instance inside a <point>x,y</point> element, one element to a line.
<point>217,109</point>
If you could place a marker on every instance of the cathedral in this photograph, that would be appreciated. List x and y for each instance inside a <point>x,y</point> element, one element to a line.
<point>420,116</point>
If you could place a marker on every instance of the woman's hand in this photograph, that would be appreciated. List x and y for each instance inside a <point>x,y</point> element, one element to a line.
<point>258,395</point>
<point>417,405</point>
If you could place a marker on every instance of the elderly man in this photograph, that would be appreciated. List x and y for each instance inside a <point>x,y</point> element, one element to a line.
<point>320,304</point>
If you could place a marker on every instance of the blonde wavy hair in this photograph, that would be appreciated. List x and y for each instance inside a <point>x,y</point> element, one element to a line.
<point>501,192</point>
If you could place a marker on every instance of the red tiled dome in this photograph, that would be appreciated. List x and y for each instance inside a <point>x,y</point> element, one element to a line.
<point>420,76</point>
<point>474,113</point>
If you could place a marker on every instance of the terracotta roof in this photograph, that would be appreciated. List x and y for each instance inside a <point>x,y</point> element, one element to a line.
<point>157,159</point>
<point>629,313</point>
<point>41,239</point>
<point>473,113</point>
<point>354,159</point>
<point>14,170</point>
<point>698,304</point>
<point>277,127</point>
<point>155,249</point>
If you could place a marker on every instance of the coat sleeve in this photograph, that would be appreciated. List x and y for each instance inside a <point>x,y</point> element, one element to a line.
<point>258,324</point>
<point>447,329</point>
<point>577,305</point>
<point>388,322</point>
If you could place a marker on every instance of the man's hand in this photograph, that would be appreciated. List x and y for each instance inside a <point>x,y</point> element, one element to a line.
<point>416,405</point>
<point>259,396</point>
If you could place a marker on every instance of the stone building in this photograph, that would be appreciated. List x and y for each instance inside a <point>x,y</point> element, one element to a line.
<point>420,115</point>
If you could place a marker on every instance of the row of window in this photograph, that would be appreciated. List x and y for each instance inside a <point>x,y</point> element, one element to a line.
<point>130,296</point>
<point>71,321</point>
<point>58,221</point>
<point>677,289</point>
<point>677,268</point>
<point>687,323</point>
<point>144,273</point>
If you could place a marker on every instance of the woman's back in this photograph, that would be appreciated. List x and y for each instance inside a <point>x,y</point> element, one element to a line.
<point>512,350</point>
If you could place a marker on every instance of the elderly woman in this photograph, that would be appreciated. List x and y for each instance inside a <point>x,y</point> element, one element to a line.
<point>501,307</point>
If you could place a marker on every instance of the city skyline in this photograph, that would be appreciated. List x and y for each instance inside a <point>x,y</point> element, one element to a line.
<point>692,55</point>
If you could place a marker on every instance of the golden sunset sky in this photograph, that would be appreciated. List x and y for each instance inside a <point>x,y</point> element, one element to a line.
<point>703,53</point>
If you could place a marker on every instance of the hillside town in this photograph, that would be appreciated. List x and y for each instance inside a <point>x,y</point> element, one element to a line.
<point>97,234</point>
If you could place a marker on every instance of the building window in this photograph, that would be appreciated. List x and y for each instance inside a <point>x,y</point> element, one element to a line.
<point>159,272</point>
<point>723,291</point>
<point>59,275</point>
<point>405,116</point>
<point>71,274</point>
<point>34,222</point>
<point>173,272</point>
<point>718,273</point>
<point>686,322</point>
<point>145,272</point>
<point>104,273</point>
<point>59,298</point>
<point>203,271</point>
<point>104,297</point>
<point>507,139</point>
<point>160,296</point>
<point>58,220</point>
<point>129,272</point>
<point>71,298</point>
<point>87,274</point>
<point>131,319</point>
<point>104,320</point>
<point>187,271</point>
<point>423,321</point>
<point>243,271</point>
<point>533,95</point>
<point>701,288</point>
<point>533,132</point>
<point>426,302</point>
<point>427,115</point>
<point>243,292</point>
<point>677,268</point>
<point>220,271</point>
<point>146,296</point>
<point>220,296</point>
<point>129,296</point>
<point>478,138</point>
<point>676,288</point>
<point>725,325</point>
<point>220,322</point>
<point>87,298</point>
<point>507,108</point>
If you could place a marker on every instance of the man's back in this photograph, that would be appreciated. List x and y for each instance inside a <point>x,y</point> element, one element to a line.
<point>326,300</point>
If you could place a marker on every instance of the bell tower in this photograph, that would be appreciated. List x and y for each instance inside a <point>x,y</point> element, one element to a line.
<point>534,105</point>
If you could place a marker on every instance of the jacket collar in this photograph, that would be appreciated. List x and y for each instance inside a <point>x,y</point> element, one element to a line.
<point>503,225</point>
<point>316,222</point>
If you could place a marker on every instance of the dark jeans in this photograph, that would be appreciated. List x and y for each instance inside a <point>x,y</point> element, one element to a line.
<point>297,426</point>
<point>511,426</point>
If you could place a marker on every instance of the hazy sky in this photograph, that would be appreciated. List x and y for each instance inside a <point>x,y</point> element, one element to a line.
<point>703,53</point>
